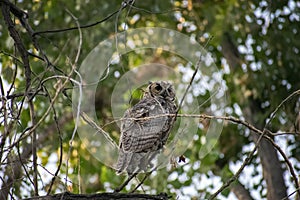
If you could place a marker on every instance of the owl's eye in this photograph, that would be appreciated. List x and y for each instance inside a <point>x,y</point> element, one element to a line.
<point>158,88</point>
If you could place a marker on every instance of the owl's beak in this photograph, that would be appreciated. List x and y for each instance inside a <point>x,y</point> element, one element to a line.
<point>165,93</point>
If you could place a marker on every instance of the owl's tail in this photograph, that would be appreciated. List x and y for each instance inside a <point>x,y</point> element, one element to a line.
<point>123,161</point>
<point>135,162</point>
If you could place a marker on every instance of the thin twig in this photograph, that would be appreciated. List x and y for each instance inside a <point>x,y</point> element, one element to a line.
<point>21,94</point>
<point>142,181</point>
<point>291,194</point>
<point>198,64</point>
<point>61,147</point>
<point>12,56</point>
<point>297,92</point>
<point>5,118</point>
<point>56,177</point>
<point>87,119</point>
<point>76,27</point>
<point>34,150</point>
<point>29,130</point>
<point>80,95</point>
<point>118,189</point>
<point>23,164</point>
<point>157,13</point>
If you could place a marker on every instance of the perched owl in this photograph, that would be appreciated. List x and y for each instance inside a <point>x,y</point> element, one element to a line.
<point>146,127</point>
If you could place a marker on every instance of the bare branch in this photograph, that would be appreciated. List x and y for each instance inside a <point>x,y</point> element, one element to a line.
<point>118,189</point>
<point>61,149</point>
<point>34,149</point>
<point>80,95</point>
<point>297,92</point>
<point>198,64</point>
<point>142,181</point>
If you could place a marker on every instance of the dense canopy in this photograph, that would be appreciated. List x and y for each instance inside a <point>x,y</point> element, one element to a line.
<point>248,116</point>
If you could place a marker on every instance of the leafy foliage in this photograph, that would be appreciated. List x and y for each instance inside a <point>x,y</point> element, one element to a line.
<point>255,45</point>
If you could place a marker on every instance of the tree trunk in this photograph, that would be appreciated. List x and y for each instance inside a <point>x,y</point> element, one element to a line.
<point>272,170</point>
<point>240,191</point>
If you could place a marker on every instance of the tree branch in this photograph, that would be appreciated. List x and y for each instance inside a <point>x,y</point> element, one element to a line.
<point>102,196</point>
<point>6,7</point>
<point>15,170</point>
<point>14,9</point>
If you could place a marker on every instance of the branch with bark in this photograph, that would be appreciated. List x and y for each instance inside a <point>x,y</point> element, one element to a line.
<point>102,196</point>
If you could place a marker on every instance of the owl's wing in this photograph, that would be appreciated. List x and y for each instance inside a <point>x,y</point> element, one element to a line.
<point>142,128</point>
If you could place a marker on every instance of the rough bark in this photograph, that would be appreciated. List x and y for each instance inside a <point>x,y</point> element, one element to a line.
<point>102,196</point>
<point>272,170</point>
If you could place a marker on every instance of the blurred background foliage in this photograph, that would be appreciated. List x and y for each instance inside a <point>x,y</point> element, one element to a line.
<point>255,44</point>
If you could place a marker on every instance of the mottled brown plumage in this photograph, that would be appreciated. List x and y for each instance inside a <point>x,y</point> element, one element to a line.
<point>146,127</point>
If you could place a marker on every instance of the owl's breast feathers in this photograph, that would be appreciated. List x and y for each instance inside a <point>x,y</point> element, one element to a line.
<point>146,125</point>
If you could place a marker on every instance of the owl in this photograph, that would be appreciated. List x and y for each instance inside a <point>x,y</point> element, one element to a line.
<point>145,128</point>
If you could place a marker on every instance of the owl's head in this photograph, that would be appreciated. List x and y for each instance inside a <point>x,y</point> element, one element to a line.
<point>162,89</point>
